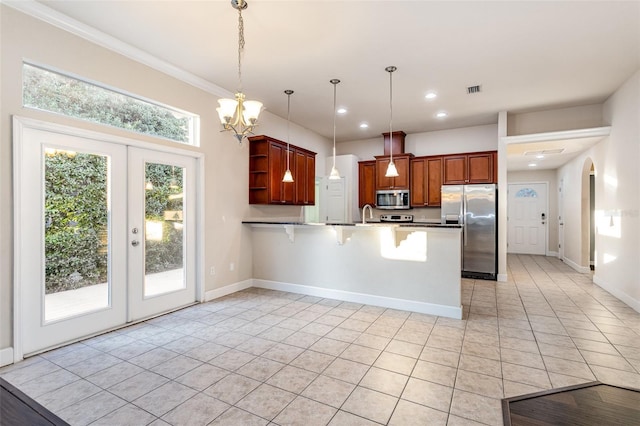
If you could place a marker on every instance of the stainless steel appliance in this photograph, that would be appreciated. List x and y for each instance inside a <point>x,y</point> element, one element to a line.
<point>474,207</point>
<point>396,218</point>
<point>393,199</point>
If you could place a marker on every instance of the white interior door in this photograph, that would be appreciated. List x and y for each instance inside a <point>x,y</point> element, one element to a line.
<point>336,200</point>
<point>161,232</point>
<point>527,218</point>
<point>70,257</point>
<point>105,235</point>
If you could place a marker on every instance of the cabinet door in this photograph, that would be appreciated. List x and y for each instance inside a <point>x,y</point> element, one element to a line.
<point>311,179</point>
<point>300,177</point>
<point>402,181</point>
<point>434,181</point>
<point>455,169</point>
<point>495,167</point>
<point>480,168</point>
<point>418,182</point>
<point>276,169</point>
<point>367,183</point>
<point>288,188</point>
<point>383,182</point>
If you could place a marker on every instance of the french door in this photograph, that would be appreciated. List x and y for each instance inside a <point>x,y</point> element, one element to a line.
<point>105,236</point>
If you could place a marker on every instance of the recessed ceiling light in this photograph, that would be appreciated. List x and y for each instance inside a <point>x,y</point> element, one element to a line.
<point>539,156</point>
<point>431,95</point>
<point>364,126</point>
<point>341,111</point>
<point>442,114</point>
<point>532,164</point>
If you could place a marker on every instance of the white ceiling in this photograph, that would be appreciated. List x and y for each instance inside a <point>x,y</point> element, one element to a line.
<point>526,55</point>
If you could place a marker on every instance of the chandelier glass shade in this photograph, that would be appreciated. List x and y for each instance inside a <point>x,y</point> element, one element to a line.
<point>239,115</point>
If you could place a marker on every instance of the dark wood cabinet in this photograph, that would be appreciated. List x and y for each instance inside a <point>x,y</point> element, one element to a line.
<point>402,165</point>
<point>366,183</point>
<point>477,167</point>
<point>267,164</point>
<point>304,178</point>
<point>426,181</point>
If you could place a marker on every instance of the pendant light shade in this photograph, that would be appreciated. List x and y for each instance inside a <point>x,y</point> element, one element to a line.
<point>334,171</point>
<point>288,177</point>
<point>392,171</point>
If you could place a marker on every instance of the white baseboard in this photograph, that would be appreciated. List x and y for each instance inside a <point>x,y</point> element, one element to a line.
<point>581,269</point>
<point>228,289</point>
<point>553,254</point>
<point>502,278</point>
<point>633,303</point>
<point>6,356</point>
<point>369,299</point>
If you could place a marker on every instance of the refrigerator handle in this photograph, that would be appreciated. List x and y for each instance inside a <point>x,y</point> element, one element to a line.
<point>464,219</point>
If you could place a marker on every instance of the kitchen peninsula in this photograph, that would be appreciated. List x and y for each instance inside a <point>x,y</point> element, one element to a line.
<point>413,267</point>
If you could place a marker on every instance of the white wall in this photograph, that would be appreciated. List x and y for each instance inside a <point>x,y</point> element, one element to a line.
<point>226,163</point>
<point>550,177</point>
<point>466,139</point>
<point>616,161</point>
<point>552,120</point>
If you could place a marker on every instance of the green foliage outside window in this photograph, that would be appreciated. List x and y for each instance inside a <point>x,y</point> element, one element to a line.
<point>50,91</point>
<point>76,219</point>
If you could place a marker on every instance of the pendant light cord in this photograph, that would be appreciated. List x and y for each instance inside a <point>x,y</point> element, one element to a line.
<point>240,42</point>
<point>391,70</point>
<point>288,92</point>
<point>334,124</point>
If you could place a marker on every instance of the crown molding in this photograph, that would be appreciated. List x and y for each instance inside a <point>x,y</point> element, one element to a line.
<point>59,20</point>
<point>560,135</point>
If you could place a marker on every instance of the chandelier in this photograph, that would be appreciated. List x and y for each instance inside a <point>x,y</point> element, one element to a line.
<point>239,115</point>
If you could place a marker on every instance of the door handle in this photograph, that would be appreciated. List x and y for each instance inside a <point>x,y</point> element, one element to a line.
<point>135,243</point>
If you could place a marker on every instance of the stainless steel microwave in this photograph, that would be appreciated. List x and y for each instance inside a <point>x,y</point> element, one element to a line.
<point>394,199</point>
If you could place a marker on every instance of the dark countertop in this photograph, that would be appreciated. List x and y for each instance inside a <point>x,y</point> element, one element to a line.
<point>354,224</point>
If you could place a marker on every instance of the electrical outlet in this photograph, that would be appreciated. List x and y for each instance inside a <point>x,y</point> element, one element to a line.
<point>213,270</point>
<point>232,266</point>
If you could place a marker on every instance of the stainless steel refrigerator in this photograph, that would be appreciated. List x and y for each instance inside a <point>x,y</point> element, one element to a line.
<point>474,207</point>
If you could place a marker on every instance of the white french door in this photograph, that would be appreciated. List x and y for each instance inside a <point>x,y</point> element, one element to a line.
<point>527,218</point>
<point>161,232</point>
<point>105,235</point>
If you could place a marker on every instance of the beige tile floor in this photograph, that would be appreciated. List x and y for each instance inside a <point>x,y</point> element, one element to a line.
<point>262,357</point>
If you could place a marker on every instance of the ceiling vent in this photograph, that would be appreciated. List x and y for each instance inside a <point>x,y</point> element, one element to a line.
<point>473,89</point>
<point>545,152</point>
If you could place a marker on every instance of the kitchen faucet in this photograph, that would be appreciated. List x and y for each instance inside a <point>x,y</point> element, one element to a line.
<point>364,209</point>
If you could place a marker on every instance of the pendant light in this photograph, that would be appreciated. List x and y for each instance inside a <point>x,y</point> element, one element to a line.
<point>334,172</point>
<point>239,115</point>
<point>391,169</point>
<point>288,177</point>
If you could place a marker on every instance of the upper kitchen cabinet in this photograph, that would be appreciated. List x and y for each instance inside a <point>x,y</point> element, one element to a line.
<point>402,165</point>
<point>267,164</point>
<point>366,183</point>
<point>426,181</point>
<point>476,167</point>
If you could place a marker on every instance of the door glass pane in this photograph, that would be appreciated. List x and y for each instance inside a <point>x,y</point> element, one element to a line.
<point>164,233</point>
<point>76,233</point>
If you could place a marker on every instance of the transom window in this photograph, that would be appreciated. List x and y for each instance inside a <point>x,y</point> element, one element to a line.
<point>62,94</point>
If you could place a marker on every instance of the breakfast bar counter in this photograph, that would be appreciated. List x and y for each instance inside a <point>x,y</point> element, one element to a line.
<point>409,266</point>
